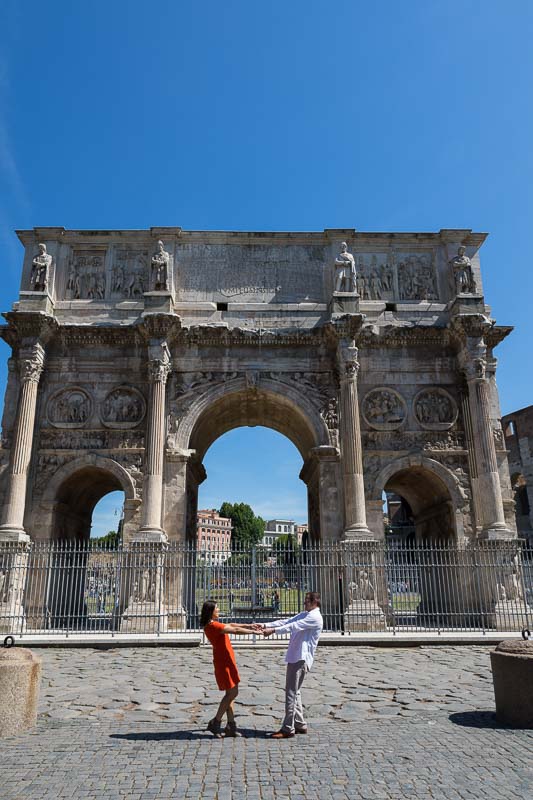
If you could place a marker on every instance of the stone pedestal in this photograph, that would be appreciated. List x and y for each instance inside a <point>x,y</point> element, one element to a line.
<point>142,617</point>
<point>159,302</point>
<point>510,615</point>
<point>14,555</point>
<point>512,675</point>
<point>144,585</point>
<point>20,680</point>
<point>467,304</point>
<point>344,303</point>
<point>36,301</point>
<point>364,615</point>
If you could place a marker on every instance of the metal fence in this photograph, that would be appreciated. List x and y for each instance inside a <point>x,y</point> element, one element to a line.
<point>74,588</point>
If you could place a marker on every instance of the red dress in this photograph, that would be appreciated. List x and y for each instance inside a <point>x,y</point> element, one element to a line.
<point>226,672</point>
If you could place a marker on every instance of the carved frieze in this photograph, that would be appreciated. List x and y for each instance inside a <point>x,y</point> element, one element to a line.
<point>129,276</point>
<point>91,440</point>
<point>396,276</point>
<point>86,275</point>
<point>384,409</point>
<point>69,408</point>
<point>124,407</point>
<point>435,409</point>
<point>435,441</point>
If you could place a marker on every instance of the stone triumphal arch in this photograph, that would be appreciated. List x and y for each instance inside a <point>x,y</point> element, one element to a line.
<point>132,351</point>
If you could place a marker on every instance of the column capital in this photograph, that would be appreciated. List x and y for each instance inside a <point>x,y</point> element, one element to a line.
<point>347,354</point>
<point>473,358</point>
<point>159,363</point>
<point>31,363</point>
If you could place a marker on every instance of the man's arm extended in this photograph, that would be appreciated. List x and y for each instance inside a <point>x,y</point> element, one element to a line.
<point>279,622</point>
<point>301,622</point>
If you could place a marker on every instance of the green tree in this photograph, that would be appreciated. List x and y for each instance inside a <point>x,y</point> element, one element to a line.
<point>286,549</point>
<point>248,529</point>
<point>112,540</point>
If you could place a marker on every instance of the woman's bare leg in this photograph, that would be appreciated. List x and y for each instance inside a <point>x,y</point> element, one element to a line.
<point>226,702</point>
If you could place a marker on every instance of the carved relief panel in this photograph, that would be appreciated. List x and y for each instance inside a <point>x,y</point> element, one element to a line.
<point>384,409</point>
<point>86,275</point>
<point>69,408</point>
<point>129,276</point>
<point>396,276</point>
<point>435,409</point>
<point>124,407</point>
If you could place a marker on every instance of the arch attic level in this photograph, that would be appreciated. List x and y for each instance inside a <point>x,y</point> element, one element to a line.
<point>132,351</point>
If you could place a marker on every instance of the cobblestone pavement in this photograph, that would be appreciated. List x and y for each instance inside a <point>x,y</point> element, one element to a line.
<point>383,723</point>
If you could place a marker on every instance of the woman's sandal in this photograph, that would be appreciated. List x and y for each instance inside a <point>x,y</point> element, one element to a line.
<point>213,726</point>
<point>231,730</point>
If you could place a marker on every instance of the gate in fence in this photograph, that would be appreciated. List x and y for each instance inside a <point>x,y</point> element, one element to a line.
<point>71,587</point>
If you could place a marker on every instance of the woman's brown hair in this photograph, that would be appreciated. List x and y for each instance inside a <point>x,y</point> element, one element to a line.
<point>206,614</point>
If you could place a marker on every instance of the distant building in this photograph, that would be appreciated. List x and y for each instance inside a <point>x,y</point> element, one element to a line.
<point>214,535</point>
<point>281,527</point>
<point>518,436</point>
<point>300,531</point>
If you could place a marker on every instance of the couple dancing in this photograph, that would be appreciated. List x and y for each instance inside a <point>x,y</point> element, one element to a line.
<point>305,629</point>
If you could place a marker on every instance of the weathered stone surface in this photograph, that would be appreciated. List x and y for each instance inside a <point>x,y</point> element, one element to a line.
<point>154,343</point>
<point>512,674</point>
<point>20,678</point>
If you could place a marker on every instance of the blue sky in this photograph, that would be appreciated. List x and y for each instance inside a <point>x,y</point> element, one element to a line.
<point>282,115</point>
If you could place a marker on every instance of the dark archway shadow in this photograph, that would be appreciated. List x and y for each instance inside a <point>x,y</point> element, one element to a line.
<point>478,719</point>
<point>161,736</point>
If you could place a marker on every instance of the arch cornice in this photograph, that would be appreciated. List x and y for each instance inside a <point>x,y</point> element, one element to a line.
<point>89,460</point>
<point>447,477</point>
<point>309,429</point>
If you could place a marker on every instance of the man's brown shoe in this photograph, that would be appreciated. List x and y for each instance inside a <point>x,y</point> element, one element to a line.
<point>281,735</point>
<point>300,730</point>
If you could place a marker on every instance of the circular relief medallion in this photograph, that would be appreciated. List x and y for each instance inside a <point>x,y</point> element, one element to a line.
<point>124,407</point>
<point>384,409</point>
<point>435,409</point>
<point>69,408</point>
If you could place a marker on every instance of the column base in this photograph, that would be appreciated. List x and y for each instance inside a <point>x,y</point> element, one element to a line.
<point>510,615</point>
<point>8,533</point>
<point>495,533</point>
<point>358,534</point>
<point>149,536</point>
<point>140,617</point>
<point>364,615</point>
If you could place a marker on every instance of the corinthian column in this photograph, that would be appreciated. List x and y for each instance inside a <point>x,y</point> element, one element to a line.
<point>489,501</point>
<point>31,363</point>
<point>159,369</point>
<point>350,441</point>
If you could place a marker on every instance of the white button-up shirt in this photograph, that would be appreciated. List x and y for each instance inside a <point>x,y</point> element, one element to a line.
<point>305,629</point>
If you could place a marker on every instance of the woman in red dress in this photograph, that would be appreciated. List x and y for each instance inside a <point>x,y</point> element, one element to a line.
<point>226,672</point>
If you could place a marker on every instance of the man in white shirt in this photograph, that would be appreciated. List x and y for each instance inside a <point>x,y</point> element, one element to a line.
<point>305,629</point>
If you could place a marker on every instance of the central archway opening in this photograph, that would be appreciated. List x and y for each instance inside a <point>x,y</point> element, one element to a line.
<point>252,489</point>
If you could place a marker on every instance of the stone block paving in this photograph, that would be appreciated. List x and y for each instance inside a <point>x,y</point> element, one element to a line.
<point>383,723</point>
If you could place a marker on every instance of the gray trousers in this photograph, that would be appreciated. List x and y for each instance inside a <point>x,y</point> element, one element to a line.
<point>294,715</point>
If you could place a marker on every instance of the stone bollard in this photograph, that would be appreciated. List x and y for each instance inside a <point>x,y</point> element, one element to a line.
<point>512,675</point>
<point>20,679</point>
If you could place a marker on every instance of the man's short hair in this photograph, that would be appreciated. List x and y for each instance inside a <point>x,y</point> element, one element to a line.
<point>314,597</point>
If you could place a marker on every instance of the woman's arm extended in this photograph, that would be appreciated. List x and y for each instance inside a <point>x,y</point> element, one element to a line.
<point>232,627</point>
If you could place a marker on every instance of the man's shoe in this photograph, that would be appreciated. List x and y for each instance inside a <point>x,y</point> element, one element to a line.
<point>300,730</point>
<point>281,735</point>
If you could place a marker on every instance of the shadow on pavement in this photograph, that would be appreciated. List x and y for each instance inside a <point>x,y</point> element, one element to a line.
<point>477,719</point>
<point>155,736</point>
